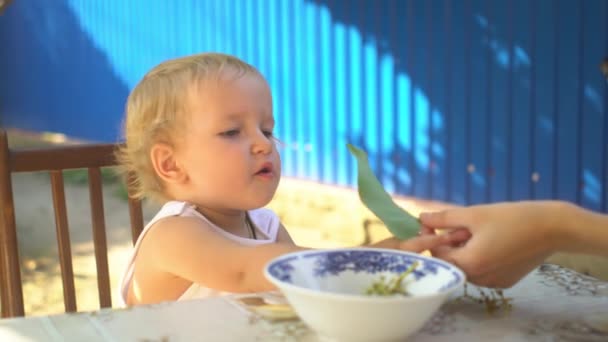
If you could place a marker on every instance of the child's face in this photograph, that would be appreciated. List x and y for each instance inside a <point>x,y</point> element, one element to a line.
<point>227,149</point>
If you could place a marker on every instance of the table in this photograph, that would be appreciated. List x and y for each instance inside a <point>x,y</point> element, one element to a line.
<point>551,304</point>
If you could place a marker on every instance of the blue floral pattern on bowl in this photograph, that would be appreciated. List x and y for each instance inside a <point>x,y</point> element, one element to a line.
<point>283,269</point>
<point>332,263</point>
<point>369,262</point>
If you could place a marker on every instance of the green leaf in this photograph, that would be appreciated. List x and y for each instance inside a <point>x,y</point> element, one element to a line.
<point>400,223</point>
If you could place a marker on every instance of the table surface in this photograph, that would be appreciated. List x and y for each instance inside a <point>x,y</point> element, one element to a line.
<point>551,304</point>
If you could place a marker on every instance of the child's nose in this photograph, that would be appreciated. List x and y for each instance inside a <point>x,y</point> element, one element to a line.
<point>262,144</point>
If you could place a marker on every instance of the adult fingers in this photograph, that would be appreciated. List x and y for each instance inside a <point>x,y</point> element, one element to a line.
<point>473,256</point>
<point>424,230</point>
<point>446,219</point>
<point>424,242</point>
<point>459,236</point>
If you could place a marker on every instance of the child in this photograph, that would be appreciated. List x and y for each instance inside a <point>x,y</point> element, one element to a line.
<point>199,138</point>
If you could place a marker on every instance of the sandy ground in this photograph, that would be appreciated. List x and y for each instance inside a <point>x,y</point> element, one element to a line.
<point>315,215</point>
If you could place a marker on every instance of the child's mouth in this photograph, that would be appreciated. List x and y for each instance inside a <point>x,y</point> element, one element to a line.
<point>265,171</point>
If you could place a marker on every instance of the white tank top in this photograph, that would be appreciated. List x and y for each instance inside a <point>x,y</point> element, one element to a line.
<point>265,221</point>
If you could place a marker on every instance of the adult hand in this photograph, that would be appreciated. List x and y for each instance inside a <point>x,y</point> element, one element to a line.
<point>425,242</point>
<point>508,240</point>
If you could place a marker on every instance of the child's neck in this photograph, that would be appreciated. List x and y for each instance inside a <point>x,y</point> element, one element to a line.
<point>232,221</point>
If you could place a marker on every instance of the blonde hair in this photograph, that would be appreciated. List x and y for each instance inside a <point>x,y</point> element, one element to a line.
<point>154,110</point>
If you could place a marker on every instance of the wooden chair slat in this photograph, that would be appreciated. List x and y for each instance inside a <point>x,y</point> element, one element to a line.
<point>11,292</point>
<point>63,240</point>
<point>99,238</point>
<point>63,158</point>
<point>55,159</point>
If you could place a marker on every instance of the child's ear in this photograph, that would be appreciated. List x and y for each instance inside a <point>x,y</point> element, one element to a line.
<point>165,164</point>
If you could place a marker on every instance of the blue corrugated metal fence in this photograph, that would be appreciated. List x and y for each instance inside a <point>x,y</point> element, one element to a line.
<point>465,101</point>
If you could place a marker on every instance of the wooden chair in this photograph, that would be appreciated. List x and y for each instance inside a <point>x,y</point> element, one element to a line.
<point>55,159</point>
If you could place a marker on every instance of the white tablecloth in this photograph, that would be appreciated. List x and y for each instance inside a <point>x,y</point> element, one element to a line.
<point>550,304</point>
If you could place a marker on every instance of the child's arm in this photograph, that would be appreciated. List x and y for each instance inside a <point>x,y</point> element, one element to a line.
<point>187,248</point>
<point>422,243</point>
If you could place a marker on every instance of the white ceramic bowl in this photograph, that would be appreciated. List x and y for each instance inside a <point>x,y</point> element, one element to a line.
<point>326,288</point>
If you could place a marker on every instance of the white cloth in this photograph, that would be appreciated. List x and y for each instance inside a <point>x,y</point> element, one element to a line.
<point>265,221</point>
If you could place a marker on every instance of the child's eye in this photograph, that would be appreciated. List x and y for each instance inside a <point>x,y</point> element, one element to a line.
<point>230,133</point>
<point>268,134</point>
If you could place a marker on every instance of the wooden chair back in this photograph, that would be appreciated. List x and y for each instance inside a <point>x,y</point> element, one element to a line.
<point>54,160</point>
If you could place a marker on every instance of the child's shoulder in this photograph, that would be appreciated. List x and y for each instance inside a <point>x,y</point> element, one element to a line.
<point>172,217</point>
<point>172,208</point>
